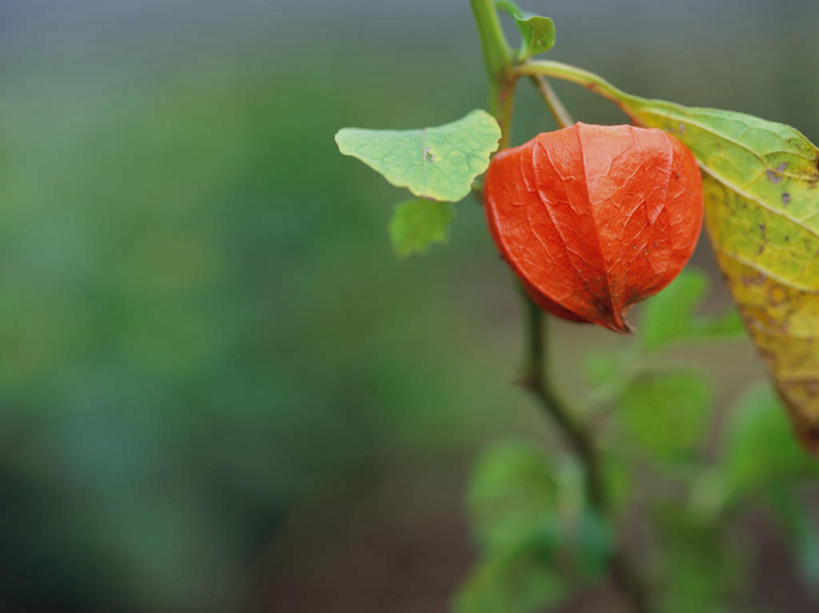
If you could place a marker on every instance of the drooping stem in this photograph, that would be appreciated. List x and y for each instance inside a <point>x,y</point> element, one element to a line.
<point>567,72</point>
<point>503,74</point>
<point>554,103</point>
<point>537,379</point>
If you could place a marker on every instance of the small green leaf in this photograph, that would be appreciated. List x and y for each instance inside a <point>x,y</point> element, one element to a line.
<point>608,373</point>
<point>602,367</point>
<point>418,223</point>
<point>667,414</point>
<point>669,316</point>
<point>531,520</point>
<point>511,581</point>
<point>537,32</point>
<point>796,517</point>
<point>593,542</point>
<point>699,570</point>
<point>759,447</point>
<point>727,325</point>
<point>437,163</point>
<point>512,493</point>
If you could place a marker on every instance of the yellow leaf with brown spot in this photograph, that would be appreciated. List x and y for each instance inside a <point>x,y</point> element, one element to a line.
<point>761,184</point>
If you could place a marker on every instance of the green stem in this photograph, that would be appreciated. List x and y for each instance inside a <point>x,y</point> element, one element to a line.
<point>497,56</point>
<point>496,52</point>
<point>566,72</point>
<point>538,381</point>
<point>503,75</point>
<point>551,99</point>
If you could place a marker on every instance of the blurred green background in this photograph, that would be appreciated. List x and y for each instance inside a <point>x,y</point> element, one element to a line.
<point>219,390</point>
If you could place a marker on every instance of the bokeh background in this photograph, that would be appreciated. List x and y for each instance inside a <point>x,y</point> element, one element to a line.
<point>219,390</point>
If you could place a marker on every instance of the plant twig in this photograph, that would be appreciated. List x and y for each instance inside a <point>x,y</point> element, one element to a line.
<point>537,380</point>
<point>567,72</point>
<point>554,103</point>
<point>497,57</point>
<point>503,75</point>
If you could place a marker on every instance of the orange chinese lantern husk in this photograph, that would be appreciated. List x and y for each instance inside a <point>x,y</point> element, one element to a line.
<point>595,218</point>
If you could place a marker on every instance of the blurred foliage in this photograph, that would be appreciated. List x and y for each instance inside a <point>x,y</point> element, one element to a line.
<point>196,335</point>
<point>670,316</point>
<point>666,414</point>
<point>686,497</point>
<point>532,521</point>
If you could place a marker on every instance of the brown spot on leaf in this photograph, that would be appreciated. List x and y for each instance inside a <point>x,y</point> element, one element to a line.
<point>757,279</point>
<point>772,176</point>
<point>775,176</point>
<point>428,157</point>
<point>786,198</point>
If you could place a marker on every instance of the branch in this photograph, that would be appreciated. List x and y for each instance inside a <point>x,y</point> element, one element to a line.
<point>566,72</point>
<point>561,115</point>
<point>499,65</point>
<point>537,380</point>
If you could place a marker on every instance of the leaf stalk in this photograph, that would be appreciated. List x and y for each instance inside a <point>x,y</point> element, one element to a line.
<point>503,74</point>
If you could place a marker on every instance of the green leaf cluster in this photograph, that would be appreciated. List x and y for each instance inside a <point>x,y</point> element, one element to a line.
<point>664,436</point>
<point>539,542</point>
<point>666,414</point>
<point>539,539</point>
<point>437,164</point>
<point>670,315</point>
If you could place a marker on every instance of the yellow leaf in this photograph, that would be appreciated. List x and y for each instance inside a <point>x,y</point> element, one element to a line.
<point>762,216</point>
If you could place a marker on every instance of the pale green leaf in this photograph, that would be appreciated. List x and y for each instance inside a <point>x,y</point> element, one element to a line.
<point>602,367</point>
<point>592,543</point>
<point>667,414</point>
<point>537,32</point>
<point>438,163</point>
<point>759,449</point>
<point>797,518</point>
<point>418,223</point>
<point>531,520</point>
<point>513,493</point>
<point>521,581</point>
<point>699,569</point>
<point>670,315</point>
